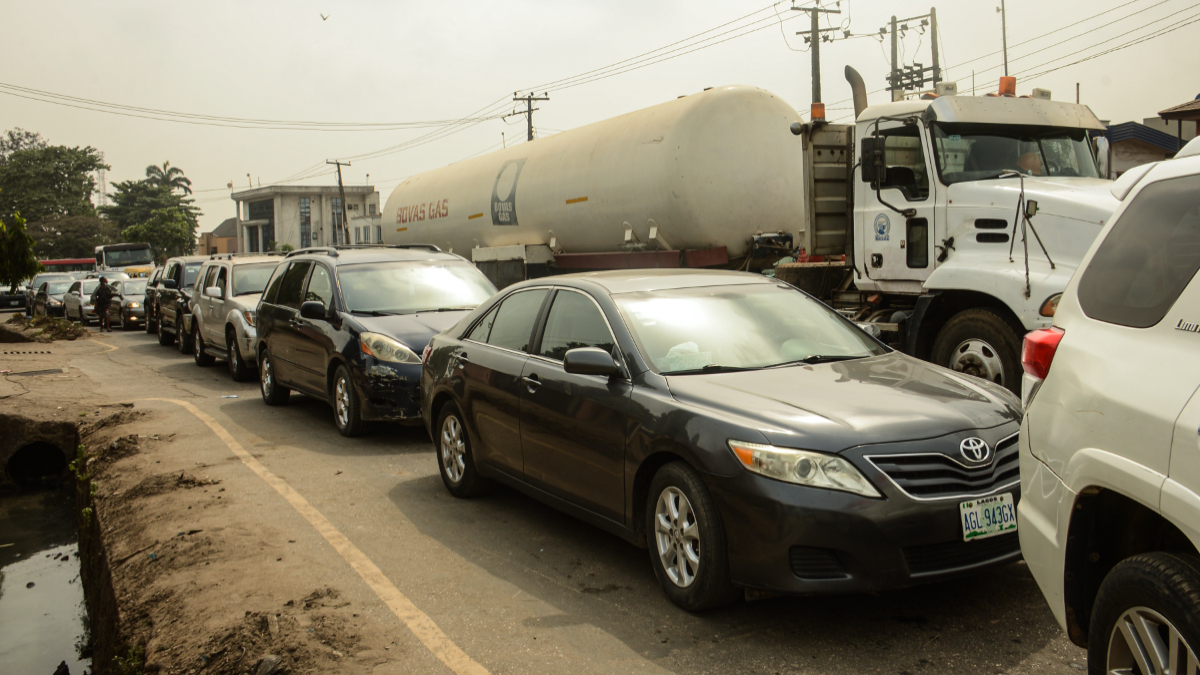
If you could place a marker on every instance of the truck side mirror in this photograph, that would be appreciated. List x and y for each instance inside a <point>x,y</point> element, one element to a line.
<point>871,159</point>
<point>1031,208</point>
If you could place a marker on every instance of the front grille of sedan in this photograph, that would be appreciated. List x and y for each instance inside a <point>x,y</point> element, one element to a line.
<point>929,558</point>
<point>937,476</point>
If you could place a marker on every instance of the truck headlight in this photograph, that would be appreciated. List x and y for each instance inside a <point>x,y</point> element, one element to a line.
<point>803,467</point>
<point>386,349</point>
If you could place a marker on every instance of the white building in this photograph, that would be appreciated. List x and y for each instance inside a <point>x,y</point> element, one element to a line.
<point>271,216</point>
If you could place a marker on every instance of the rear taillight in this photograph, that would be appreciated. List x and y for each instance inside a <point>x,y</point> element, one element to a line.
<point>425,354</point>
<point>1038,351</point>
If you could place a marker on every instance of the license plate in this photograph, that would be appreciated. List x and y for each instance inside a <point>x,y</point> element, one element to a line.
<point>988,516</point>
<point>13,303</point>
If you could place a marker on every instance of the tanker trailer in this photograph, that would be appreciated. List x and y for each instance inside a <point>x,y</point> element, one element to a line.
<point>700,181</point>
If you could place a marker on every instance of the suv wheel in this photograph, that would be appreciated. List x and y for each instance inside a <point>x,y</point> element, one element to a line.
<point>184,337</point>
<point>203,358</point>
<point>237,367</point>
<point>346,407</point>
<point>687,540</point>
<point>164,338</point>
<point>151,324</point>
<point>272,392</point>
<point>456,459</point>
<point>978,342</point>
<point>1147,617</point>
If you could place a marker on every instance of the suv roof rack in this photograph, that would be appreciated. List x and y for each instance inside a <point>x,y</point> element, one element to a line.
<point>250,254</point>
<point>332,251</point>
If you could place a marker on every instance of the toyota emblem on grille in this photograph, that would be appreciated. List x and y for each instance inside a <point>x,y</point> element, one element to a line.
<point>975,450</point>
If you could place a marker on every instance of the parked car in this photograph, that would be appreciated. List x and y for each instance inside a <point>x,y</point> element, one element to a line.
<point>128,305</point>
<point>1110,457</point>
<point>747,434</point>
<point>346,325</point>
<point>224,308</point>
<point>49,298</point>
<point>79,302</point>
<point>172,300</point>
<point>108,274</point>
<point>35,285</point>
<point>150,304</point>
<point>13,298</point>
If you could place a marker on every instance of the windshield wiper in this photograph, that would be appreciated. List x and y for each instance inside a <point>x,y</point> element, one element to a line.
<point>818,358</point>
<point>712,368</point>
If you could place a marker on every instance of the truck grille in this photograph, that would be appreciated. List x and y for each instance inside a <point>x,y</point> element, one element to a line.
<point>946,556</point>
<point>938,476</point>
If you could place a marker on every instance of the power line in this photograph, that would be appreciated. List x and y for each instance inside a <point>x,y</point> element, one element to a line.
<point>1195,18</point>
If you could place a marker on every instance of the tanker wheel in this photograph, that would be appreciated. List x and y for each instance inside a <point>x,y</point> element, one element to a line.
<point>979,342</point>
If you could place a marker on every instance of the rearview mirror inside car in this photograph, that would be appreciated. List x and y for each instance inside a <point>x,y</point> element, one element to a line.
<point>313,310</point>
<point>590,361</point>
<point>212,292</point>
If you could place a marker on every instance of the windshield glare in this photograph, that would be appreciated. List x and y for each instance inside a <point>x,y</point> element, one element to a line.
<point>189,273</point>
<point>57,287</point>
<point>409,287</point>
<point>133,287</point>
<point>967,152</point>
<point>251,278</point>
<point>141,256</point>
<point>743,326</point>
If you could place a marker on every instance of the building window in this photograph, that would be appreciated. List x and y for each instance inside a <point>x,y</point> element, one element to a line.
<point>265,210</point>
<point>305,222</point>
<point>372,209</point>
<point>252,238</point>
<point>379,234</point>
<point>358,235</point>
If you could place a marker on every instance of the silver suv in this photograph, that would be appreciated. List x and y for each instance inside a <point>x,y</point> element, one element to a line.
<point>223,310</point>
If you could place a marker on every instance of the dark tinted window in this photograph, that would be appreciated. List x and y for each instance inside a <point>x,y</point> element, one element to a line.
<point>480,332</point>
<point>574,321</point>
<point>221,281</point>
<point>514,320</point>
<point>273,287</point>
<point>320,286</point>
<point>210,278</point>
<point>291,291</point>
<point>1148,257</point>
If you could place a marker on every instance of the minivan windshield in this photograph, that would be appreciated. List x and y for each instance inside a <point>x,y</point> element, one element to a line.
<point>740,327</point>
<point>967,152</point>
<point>252,278</point>
<point>412,286</point>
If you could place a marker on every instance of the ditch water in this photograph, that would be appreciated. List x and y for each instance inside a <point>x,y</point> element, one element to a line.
<point>43,619</point>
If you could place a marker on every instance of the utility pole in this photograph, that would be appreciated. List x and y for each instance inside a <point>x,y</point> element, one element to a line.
<point>814,38</point>
<point>1004,33</point>
<point>103,183</point>
<point>342,189</point>
<point>909,78</point>
<point>1077,92</point>
<point>529,108</point>
<point>895,79</point>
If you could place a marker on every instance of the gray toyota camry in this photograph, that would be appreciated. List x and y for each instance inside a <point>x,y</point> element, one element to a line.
<point>745,433</point>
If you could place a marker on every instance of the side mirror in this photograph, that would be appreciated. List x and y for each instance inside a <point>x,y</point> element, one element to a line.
<point>212,292</point>
<point>170,283</point>
<point>1031,208</point>
<point>871,161</point>
<point>590,361</point>
<point>313,310</point>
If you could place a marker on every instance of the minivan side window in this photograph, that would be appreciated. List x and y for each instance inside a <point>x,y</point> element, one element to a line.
<point>513,326</point>
<point>320,287</point>
<point>291,290</point>
<point>273,284</point>
<point>1148,258</point>
<point>574,321</point>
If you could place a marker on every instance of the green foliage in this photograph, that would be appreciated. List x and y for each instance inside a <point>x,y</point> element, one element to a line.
<point>168,231</point>
<point>133,202</point>
<point>169,176</point>
<point>17,259</point>
<point>19,139</point>
<point>47,182</point>
<point>287,248</point>
<point>72,236</point>
<point>133,663</point>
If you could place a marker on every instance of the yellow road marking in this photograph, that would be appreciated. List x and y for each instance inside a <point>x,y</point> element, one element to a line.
<point>417,621</point>
<point>577,200</point>
<point>111,348</point>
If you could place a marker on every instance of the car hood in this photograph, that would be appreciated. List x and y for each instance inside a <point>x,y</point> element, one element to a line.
<point>247,301</point>
<point>835,406</point>
<point>414,330</point>
<point>140,299</point>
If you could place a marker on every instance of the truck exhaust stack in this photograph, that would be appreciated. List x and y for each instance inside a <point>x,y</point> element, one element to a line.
<point>859,89</point>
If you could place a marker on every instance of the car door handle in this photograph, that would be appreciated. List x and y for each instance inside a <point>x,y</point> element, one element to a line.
<point>461,359</point>
<point>532,383</point>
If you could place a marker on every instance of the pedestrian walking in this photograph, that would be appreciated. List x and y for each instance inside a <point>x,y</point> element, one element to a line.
<point>103,295</point>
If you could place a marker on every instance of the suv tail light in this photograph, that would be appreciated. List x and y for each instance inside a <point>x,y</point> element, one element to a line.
<point>1038,350</point>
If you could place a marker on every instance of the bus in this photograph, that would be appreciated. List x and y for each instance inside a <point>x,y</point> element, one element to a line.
<point>136,260</point>
<point>69,265</point>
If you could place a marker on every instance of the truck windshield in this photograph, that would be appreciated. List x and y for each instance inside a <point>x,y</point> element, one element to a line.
<point>968,152</point>
<point>139,256</point>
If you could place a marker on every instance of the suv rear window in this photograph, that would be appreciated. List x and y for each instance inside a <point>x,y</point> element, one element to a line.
<point>1148,257</point>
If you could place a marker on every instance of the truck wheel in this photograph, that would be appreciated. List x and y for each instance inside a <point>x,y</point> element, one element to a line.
<point>978,342</point>
<point>164,338</point>
<point>237,366</point>
<point>1147,617</point>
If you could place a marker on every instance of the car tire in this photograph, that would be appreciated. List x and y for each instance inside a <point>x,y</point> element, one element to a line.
<point>203,358</point>
<point>272,392</point>
<point>151,324</point>
<point>979,342</point>
<point>183,336</point>
<point>1146,605</point>
<point>680,516</point>
<point>237,366</point>
<point>347,409</point>
<point>125,323</point>
<point>456,455</point>
<point>164,338</point>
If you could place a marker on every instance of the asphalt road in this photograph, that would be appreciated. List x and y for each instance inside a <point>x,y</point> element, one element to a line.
<point>520,587</point>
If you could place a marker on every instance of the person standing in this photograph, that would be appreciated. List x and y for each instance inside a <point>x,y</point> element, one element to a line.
<point>103,295</point>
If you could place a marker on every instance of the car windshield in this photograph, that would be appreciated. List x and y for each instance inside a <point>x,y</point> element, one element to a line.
<point>744,326</point>
<point>43,278</point>
<point>133,287</point>
<point>189,273</point>
<point>58,287</point>
<point>88,285</point>
<point>968,152</point>
<point>410,287</point>
<point>252,278</point>
<point>138,256</point>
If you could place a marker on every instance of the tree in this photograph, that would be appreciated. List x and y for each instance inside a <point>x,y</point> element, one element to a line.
<point>169,176</point>
<point>134,202</point>
<point>17,261</point>
<point>48,182</point>
<point>168,231</point>
<point>72,236</point>
<point>19,139</point>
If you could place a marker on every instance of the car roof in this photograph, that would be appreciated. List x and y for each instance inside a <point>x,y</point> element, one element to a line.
<point>246,260</point>
<point>636,281</point>
<point>189,258</point>
<point>368,254</point>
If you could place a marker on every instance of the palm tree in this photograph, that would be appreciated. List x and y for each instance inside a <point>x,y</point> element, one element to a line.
<point>170,176</point>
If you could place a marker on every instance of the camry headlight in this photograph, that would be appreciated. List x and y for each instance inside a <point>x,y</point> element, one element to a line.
<point>54,303</point>
<point>386,349</point>
<point>804,467</point>
<point>132,305</point>
<point>248,316</point>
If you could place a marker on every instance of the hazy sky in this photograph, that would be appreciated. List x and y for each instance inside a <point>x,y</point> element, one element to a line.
<point>406,61</point>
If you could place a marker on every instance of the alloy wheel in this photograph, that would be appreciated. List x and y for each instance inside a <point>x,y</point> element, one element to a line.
<point>341,396</point>
<point>977,357</point>
<point>266,378</point>
<point>677,535</point>
<point>234,358</point>
<point>1145,642</point>
<point>454,449</point>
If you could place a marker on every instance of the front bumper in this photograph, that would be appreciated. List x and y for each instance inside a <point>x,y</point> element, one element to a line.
<point>132,314</point>
<point>388,391</point>
<point>1044,521</point>
<point>787,538</point>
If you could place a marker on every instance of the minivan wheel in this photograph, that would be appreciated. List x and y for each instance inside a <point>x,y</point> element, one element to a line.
<point>272,392</point>
<point>1146,619</point>
<point>203,358</point>
<point>687,540</point>
<point>164,338</point>
<point>456,459</point>
<point>347,411</point>
<point>979,342</point>
<point>237,366</point>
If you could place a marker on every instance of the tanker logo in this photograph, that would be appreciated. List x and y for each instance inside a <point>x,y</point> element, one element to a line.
<point>883,227</point>
<point>504,193</point>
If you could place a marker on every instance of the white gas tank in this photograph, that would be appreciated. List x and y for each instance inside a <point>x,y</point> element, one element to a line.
<point>710,169</point>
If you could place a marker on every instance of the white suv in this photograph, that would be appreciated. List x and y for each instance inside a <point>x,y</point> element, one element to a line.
<point>223,310</point>
<point>1110,444</point>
